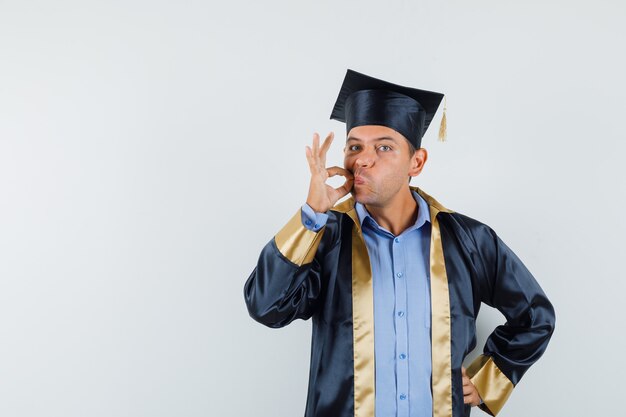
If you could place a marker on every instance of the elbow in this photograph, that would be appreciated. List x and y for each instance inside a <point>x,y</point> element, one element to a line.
<point>261,309</point>
<point>543,319</point>
<point>548,317</point>
<point>258,311</point>
<point>266,318</point>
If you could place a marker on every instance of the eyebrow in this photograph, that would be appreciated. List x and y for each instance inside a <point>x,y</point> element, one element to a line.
<point>376,139</point>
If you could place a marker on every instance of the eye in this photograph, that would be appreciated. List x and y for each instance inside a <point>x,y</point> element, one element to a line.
<point>384,148</point>
<point>353,148</point>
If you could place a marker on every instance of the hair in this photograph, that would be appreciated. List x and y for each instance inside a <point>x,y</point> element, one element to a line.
<point>412,150</point>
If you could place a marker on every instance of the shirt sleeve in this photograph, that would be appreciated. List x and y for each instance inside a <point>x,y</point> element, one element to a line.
<point>312,220</point>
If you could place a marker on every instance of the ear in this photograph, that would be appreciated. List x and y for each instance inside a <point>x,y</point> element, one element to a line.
<point>418,160</point>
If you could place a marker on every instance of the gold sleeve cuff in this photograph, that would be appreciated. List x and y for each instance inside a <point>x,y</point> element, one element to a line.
<point>493,386</point>
<point>296,242</point>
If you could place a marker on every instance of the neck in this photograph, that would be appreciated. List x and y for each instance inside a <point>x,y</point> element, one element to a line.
<point>398,214</point>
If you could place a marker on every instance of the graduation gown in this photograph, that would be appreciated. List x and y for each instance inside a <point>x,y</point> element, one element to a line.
<point>326,276</point>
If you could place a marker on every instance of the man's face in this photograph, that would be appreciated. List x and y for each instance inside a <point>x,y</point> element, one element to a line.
<point>379,159</point>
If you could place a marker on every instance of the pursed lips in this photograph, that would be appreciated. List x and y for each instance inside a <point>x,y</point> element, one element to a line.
<point>359,179</point>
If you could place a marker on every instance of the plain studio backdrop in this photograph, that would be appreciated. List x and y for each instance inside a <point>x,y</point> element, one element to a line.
<point>150,149</point>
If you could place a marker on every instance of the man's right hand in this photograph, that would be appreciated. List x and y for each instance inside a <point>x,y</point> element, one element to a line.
<point>322,197</point>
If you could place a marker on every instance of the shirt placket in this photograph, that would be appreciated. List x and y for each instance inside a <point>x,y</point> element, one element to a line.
<point>401,325</point>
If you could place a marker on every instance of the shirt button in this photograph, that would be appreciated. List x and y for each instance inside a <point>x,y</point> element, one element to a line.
<point>402,356</point>
<point>397,240</point>
<point>402,397</point>
<point>400,313</point>
<point>316,225</point>
<point>308,222</point>
<point>399,274</point>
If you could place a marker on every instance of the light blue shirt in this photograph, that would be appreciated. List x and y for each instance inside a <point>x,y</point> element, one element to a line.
<point>402,347</point>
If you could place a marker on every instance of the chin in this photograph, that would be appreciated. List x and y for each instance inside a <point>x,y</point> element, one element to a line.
<point>364,198</point>
<point>359,199</point>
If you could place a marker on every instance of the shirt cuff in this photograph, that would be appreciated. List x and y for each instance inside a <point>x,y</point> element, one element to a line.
<point>312,220</point>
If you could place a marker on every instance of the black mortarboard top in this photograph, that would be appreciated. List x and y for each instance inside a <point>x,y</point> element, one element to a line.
<point>364,100</point>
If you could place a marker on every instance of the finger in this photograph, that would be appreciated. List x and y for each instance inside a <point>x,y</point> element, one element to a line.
<point>467,389</point>
<point>466,381</point>
<point>332,171</point>
<point>316,144</point>
<point>325,146</point>
<point>317,166</point>
<point>463,371</point>
<point>472,395</point>
<point>345,188</point>
<point>472,400</point>
<point>327,142</point>
<point>310,160</point>
<point>467,399</point>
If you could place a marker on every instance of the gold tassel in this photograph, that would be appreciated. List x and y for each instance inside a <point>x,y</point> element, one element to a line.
<point>443,133</point>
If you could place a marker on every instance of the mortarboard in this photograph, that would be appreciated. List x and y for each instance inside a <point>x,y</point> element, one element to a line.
<point>364,100</point>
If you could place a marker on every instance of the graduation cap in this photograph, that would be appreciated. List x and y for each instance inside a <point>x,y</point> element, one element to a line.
<point>364,100</point>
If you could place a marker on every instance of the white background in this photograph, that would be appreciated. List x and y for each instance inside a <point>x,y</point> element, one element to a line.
<point>149,149</point>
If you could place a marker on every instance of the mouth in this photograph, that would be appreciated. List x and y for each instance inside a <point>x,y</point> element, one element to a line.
<point>359,178</point>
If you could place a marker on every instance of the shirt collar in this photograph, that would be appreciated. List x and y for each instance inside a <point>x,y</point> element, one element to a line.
<point>423,212</point>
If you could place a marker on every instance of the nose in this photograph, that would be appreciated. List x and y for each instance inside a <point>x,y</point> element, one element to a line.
<point>365,159</point>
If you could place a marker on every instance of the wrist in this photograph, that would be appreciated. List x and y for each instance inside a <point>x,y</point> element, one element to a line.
<point>316,207</point>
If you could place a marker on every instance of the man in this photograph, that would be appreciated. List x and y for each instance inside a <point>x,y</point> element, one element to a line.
<point>394,280</point>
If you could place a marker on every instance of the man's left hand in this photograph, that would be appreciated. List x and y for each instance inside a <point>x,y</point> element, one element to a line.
<point>470,393</point>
